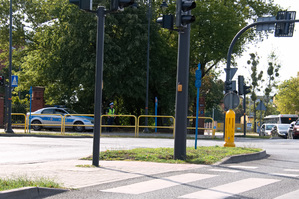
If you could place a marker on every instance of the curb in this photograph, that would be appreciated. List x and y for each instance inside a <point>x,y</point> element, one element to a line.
<point>243,158</point>
<point>30,192</point>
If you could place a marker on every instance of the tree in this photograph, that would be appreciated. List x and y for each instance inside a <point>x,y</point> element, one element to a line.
<point>272,75</point>
<point>286,99</point>
<point>256,79</point>
<point>217,22</point>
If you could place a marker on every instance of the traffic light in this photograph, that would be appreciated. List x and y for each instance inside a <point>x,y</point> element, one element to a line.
<point>1,80</point>
<point>228,86</point>
<point>285,29</point>
<point>119,4</point>
<point>183,18</point>
<point>166,21</point>
<point>246,89</point>
<point>241,85</point>
<point>83,4</point>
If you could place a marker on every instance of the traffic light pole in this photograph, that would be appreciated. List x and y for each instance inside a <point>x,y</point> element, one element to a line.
<point>181,105</point>
<point>8,127</point>
<point>98,85</point>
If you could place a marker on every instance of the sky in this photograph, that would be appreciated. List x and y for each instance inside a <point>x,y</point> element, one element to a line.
<point>285,48</point>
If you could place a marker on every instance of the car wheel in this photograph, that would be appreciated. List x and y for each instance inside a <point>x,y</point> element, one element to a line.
<point>79,128</point>
<point>36,128</point>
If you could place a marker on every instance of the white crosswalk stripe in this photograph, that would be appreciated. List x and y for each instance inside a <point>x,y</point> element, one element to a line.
<point>230,189</point>
<point>242,167</point>
<point>290,195</point>
<point>224,170</point>
<point>284,174</point>
<point>292,170</point>
<point>157,184</point>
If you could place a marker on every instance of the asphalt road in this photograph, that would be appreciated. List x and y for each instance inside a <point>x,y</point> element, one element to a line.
<point>274,177</point>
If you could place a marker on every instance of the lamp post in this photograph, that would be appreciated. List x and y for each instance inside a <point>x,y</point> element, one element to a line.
<point>147,63</point>
<point>8,128</point>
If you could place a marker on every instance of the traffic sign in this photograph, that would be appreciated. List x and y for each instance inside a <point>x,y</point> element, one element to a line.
<point>231,100</point>
<point>14,81</point>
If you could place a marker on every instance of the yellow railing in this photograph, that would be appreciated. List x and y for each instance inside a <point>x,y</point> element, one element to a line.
<point>126,126</point>
<point>64,125</point>
<point>160,127</point>
<point>213,129</point>
<point>20,124</point>
<point>46,115</point>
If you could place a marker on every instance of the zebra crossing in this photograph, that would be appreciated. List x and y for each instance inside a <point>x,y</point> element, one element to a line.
<point>226,190</point>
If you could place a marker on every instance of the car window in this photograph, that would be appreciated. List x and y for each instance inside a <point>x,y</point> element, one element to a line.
<point>48,111</point>
<point>297,123</point>
<point>283,127</point>
<point>269,127</point>
<point>59,111</point>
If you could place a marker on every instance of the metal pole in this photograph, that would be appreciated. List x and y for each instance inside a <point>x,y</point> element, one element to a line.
<point>244,105</point>
<point>9,129</point>
<point>147,64</point>
<point>98,85</point>
<point>181,105</point>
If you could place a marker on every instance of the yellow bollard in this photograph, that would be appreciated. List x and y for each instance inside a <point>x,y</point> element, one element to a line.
<point>230,129</point>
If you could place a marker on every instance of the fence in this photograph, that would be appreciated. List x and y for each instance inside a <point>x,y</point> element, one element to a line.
<point>60,121</point>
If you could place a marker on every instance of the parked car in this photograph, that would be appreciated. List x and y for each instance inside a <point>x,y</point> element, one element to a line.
<point>280,130</point>
<point>45,116</point>
<point>296,129</point>
<point>266,129</point>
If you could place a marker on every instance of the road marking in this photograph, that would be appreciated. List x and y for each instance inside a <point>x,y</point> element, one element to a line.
<point>230,189</point>
<point>224,170</point>
<point>292,170</point>
<point>157,184</point>
<point>293,194</point>
<point>243,167</point>
<point>284,174</point>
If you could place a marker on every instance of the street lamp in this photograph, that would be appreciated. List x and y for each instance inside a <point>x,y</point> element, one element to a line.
<point>147,63</point>
<point>8,128</point>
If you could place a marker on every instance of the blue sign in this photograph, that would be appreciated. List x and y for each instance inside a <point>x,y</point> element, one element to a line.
<point>14,81</point>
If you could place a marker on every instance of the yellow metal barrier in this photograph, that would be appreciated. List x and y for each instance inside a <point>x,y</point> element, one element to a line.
<point>46,115</point>
<point>126,126</point>
<point>64,125</point>
<point>163,116</point>
<point>213,130</point>
<point>22,124</point>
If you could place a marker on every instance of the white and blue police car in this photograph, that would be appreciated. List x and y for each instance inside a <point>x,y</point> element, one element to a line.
<point>52,116</point>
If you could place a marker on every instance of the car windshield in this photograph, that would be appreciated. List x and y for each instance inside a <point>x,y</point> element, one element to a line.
<point>269,127</point>
<point>70,111</point>
<point>283,127</point>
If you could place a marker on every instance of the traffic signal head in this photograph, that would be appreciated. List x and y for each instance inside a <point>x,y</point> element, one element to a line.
<point>83,4</point>
<point>246,89</point>
<point>166,21</point>
<point>183,18</point>
<point>119,4</point>
<point>2,81</point>
<point>285,29</point>
<point>228,86</point>
<point>241,85</point>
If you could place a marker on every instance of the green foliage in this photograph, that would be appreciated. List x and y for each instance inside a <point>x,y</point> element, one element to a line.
<point>56,48</point>
<point>287,96</point>
<point>14,183</point>
<point>201,155</point>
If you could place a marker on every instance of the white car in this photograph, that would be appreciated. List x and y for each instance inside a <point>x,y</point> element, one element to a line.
<point>266,129</point>
<point>45,116</point>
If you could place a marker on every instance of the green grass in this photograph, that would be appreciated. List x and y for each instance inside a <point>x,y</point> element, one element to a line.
<point>14,183</point>
<point>201,155</point>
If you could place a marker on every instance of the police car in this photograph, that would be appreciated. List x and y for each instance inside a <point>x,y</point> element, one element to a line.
<point>45,116</point>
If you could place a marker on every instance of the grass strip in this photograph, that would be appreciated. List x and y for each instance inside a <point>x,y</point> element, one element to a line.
<point>201,155</point>
<point>14,183</point>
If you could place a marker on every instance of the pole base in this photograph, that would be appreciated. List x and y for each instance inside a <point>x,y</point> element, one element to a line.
<point>229,144</point>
